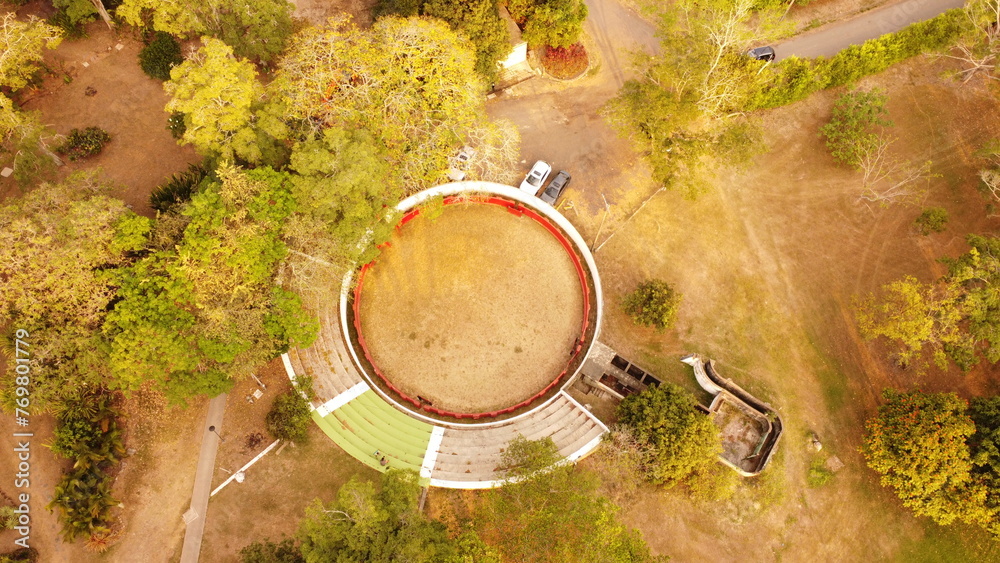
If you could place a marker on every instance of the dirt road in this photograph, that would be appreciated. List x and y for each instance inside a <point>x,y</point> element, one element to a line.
<point>830,39</point>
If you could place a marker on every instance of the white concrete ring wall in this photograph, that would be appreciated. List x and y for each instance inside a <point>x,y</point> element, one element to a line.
<point>512,193</point>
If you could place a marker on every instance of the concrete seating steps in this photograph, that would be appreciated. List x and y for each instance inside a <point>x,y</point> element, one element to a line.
<point>411,455</point>
<point>361,439</point>
<point>474,454</point>
<point>377,434</point>
<point>349,444</point>
<point>377,416</point>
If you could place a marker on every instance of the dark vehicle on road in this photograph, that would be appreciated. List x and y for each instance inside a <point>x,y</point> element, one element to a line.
<point>555,187</point>
<point>762,53</point>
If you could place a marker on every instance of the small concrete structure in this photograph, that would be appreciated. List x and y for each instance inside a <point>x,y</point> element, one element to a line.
<point>518,48</point>
<point>750,429</point>
<point>614,375</point>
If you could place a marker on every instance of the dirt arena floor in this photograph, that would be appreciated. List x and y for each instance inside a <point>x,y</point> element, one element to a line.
<point>474,310</point>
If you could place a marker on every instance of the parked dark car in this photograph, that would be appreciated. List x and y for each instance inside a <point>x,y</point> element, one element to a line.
<point>762,53</point>
<point>555,187</point>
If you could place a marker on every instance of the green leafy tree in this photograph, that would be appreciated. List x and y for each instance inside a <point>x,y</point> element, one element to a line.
<point>22,137</point>
<point>984,447</point>
<point>682,439</point>
<point>918,444</point>
<point>686,113</point>
<point>344,183</point>
<point>410,83</point>
<point>364,524</point>
<point>58,245</point>
<point>521,10</point>
<point>654,303</point>
<point>551,512</point>
<point>21,43</point>
<point>856,126</point>
<point>556,23</point>
<point>218,95</point>
<point>479,20</point>
<point>285,551</point>
<point>161,55</point>
<point>919,318</point>
<point>956,318</point>
<point>289,417</point>
<point>194,317</point>
<point>256,29</point>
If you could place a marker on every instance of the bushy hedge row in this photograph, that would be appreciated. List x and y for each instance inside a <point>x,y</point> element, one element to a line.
<point>796,78</point>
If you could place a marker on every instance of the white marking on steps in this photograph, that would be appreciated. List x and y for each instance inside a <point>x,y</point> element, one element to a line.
<point>430,456</point>
<point>342,399</point>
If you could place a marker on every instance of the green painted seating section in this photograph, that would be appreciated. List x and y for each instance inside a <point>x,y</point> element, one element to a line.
<point>368,423</point>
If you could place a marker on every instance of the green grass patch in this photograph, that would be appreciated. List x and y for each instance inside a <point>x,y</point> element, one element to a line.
<point>818,474</point>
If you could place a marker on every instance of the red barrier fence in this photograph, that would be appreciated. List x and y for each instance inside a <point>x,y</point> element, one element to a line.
<point>519,210</point>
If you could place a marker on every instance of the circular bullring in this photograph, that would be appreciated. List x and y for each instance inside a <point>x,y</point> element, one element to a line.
<point>482,304</point>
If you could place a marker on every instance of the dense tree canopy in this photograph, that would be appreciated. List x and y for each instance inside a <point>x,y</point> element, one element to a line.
<point>479,20</point>
<point>21,43</point>
<point>409,82</point>
<point>552,512</point>
<point>682,439</point>
<point>555,23</point>
<point>58,245</point>
<point>918,444</point>
<point>218,95</point>
<point>254,29</point>
<point>22,136</point>
<point>367,525</point>
<point>686,112</point>
<point>194,318</point>
<point>956,318</point>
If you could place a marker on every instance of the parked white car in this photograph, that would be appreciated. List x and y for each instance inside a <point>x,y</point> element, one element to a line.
<point>535,179</point>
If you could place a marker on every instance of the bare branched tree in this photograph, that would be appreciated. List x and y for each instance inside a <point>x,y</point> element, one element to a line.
<point>887,179</point>
<point>980,48</point>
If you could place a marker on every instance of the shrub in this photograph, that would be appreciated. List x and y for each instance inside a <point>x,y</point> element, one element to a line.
<point>564,63</point>
<point>818,475</point>
<point>682,440</point>
<point>285,551</point>
<point>932,220</point>
<point>714,482</point>
<point>82,144</point>
<point>8,518</point>
<point>160,55</point>
<point>84,502</point>
<point>20,555</point>
<point>795,78</point>
<point>654,303</point>
<point>289,417</point>
<point>178,189</point>
<point>176,125</point>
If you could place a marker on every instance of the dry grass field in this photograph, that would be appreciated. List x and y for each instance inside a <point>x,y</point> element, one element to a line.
<point>475,310</point>
<point>769,263</point>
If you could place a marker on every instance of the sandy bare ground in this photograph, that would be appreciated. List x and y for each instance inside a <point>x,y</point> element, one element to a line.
<point>474,310</point>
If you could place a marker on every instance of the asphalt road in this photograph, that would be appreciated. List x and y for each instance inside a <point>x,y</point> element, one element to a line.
<point>830,39</point>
